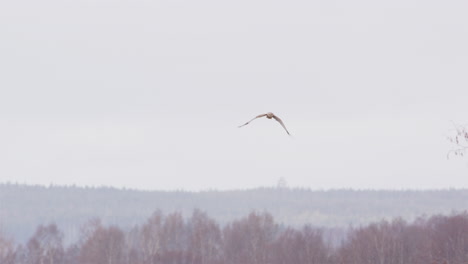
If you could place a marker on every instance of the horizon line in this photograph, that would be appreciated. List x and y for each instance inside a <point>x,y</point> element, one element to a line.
<point>210,189</point>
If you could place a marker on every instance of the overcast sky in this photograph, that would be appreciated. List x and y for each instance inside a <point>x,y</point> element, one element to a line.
<point>148,94</point>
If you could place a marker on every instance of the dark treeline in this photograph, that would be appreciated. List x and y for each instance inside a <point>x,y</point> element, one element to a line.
<point>24,207</point>
<point>255,239</point>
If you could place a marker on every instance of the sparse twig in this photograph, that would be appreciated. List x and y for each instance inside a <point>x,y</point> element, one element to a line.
<point>460,139</point>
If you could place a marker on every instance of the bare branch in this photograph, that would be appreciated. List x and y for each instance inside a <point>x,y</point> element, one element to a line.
<point>459,139</point>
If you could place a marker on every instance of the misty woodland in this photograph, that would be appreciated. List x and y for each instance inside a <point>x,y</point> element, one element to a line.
<point>255,238</point>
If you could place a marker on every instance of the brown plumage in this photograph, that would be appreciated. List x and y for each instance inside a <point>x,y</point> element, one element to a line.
<point>269,115</point>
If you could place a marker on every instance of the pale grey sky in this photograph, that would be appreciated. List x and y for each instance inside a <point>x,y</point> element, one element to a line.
<point>148,94</point>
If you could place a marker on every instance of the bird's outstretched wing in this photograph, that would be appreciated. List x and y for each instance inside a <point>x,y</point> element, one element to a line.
<point>281,122</point>
<point>262,115</point>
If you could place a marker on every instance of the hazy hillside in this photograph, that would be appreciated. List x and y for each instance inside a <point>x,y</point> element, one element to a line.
<point>23,207</point>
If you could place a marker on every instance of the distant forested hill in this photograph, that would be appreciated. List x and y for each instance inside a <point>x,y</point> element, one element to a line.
<point>24,207</point>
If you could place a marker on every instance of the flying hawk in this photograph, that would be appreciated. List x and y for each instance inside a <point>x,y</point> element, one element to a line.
<point>269,115</point>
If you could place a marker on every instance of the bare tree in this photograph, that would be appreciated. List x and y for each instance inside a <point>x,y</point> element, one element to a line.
<point>300,246</point>
<point>174,239</point>
<point>248,240</point>
<point>289,247</point>
<point>205,239</point>
<point>315,249</point>
<point>417,242</point>
<point>449,238</point>
<point>104,246</point>
<point>7,251</point>
<point>45,247</point>
<point>134,245</point>
<point>379,243</point>
<point>151,236</point>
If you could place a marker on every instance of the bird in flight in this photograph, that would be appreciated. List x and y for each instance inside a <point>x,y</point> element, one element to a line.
<point>269,115</point>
